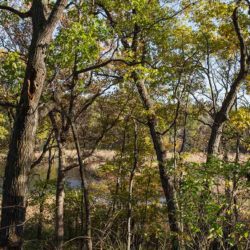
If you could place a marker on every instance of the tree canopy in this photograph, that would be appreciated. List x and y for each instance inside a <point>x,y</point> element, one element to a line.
<point>125,124</point>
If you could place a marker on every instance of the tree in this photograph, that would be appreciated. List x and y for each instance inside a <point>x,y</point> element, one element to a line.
<point>222,115</point>
<point>22,140</point>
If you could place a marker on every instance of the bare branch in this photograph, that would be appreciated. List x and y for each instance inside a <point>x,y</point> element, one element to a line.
<point>16,12</point>
<point>45,149</point>
<point>175,119</point>
<point>7,104</point>
<point>171,16</point>
<point>70,167</point>
<point>99,65</point>
<point>45,108</point>
<point>90,100</point>
<point>204,123</point>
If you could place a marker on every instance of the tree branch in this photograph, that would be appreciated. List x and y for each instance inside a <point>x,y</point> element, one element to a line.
<point>7,104</point>
<point>99,65</point>
<point>55,14</point>
<point>108,14</point>
<point>16,12</point>
<point>174,121</point>
<point>45,149</point>
<point>70,167</point>
<point>243,49</point>
<point>45,108</point>
<point>90,100</point>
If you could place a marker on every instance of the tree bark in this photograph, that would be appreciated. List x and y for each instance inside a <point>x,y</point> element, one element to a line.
<point>43,198</point>
<point>21,146</point>
<point>118,179</point>
<point>167,180</point>
<point>87,232</point>
<point>131,181</point>
<point>60,194</point>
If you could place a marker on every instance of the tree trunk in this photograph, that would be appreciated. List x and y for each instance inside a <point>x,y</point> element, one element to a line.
<point>184,135</point>
<point>118,179</point>
<point>222,115</point>
<point>215,136</point>
<point>167,180</point>
<point>87,232</point>
<point>21,146</point>
<point>130,191</point>
<point>60,194</point>
<point>43,198</point>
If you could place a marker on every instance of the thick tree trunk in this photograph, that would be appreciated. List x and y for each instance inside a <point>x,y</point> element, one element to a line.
<point>167,180</point>
<point>215,136</point>
<point>21,147</point>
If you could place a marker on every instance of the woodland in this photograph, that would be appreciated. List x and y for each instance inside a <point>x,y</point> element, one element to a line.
<point>125,124</point>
